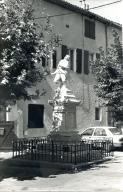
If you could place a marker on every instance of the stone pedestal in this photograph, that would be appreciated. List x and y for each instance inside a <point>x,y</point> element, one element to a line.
<point>64,120</point>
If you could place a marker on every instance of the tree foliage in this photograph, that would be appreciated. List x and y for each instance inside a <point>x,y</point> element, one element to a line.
<point>108,71</point>
<point>22,50</point>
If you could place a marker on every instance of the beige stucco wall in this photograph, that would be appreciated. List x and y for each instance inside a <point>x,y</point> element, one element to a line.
<point>80,84</point>
<point>85,111</point>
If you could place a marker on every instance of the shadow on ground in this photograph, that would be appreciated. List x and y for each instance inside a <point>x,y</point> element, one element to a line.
<point>29,173</point>
<point>28,170</point>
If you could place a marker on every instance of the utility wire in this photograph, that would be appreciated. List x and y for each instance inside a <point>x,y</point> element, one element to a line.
<point>105,4</point>
<point>63,14</point>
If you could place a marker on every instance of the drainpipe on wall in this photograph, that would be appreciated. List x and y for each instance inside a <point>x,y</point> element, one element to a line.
<point>106,38</point>
<point>83,45</point>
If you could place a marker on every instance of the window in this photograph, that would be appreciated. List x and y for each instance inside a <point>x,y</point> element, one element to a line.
<point>88,132</point>
<point>98,113</point>
<point>2,131</point>
<point>97,55</point>
<point>79,60</point>
<point>54,59</point>
<point>35,116</point>
<point>89,29</point>
<point>86,62</point>
<point>100,132</point>
<point>110,116</point>
<point>116,131</point>
<point>64,51</point>
<point>71,59</point>
<point>91,57</point>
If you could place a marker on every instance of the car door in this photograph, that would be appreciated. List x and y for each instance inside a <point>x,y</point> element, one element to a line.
<point>100,134</point>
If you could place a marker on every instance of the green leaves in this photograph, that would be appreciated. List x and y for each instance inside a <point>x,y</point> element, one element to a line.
<point>23,44</point>
<point>109,77</point>
<point>22,48</point>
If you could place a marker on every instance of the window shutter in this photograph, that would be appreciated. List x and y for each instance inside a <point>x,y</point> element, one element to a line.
<point>89,29</point>
<point>64,51</point>
<point>79,60</point>
<point>97,56</point>
<point>71,59</point>
<point>54,59</point>
<point>97,113</point>
<point>92,30</point>
<point>86,62</point>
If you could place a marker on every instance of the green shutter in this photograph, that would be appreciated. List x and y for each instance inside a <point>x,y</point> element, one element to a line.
<point>71,59</point>
<point>89,29</point>
<point>97,56</point>
<point>79,60</point>
<point>92,29</point>
<point>54,60</point>
<point>86,62</point>
<point>64,51</point>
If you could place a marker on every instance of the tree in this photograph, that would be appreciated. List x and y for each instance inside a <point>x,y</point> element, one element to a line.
<point>108,71</point>
<point>23,47</point>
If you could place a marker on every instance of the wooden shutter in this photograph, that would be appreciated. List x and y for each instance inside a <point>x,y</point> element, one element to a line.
<point>97,56</point>
<point>97,113</point>
<point>54,59</point>
<point>64,51</point>
<point>71,59</point>
<point>79,60</point>
<point>92,29</point>
<point>86,62</point>
<point>87,28</point>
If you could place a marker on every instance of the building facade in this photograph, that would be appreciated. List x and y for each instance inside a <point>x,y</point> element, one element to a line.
<point>82,34</point>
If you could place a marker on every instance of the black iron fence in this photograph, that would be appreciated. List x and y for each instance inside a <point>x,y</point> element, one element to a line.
<point>62,152</point>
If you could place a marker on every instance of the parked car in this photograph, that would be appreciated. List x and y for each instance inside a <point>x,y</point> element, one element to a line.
<point>104,133</point>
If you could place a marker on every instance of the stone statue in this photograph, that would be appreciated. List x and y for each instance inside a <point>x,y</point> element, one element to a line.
<point>62,71</point>
<point>61,75</point>
<point>63,100</point>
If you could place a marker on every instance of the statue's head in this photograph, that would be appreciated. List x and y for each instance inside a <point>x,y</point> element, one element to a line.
<point>67,57</point>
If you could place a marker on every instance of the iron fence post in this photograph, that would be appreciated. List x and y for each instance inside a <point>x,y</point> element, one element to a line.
<point>75,161</point>
<point>52,143</point>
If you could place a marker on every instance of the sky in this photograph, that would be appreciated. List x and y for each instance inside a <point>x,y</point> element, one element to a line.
<point>112,12</point>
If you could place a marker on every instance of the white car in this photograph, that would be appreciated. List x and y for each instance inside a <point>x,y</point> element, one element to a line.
<point>103,133</point>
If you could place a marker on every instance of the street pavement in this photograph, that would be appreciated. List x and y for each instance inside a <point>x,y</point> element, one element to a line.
<point>103,177</point>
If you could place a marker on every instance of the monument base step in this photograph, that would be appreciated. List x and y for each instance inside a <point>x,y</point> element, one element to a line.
<point>72,136</point>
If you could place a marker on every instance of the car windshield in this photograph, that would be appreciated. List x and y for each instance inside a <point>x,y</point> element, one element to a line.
<point>115,131</point>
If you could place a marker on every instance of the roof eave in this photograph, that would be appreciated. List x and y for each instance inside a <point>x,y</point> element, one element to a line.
<point>81,11</point>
